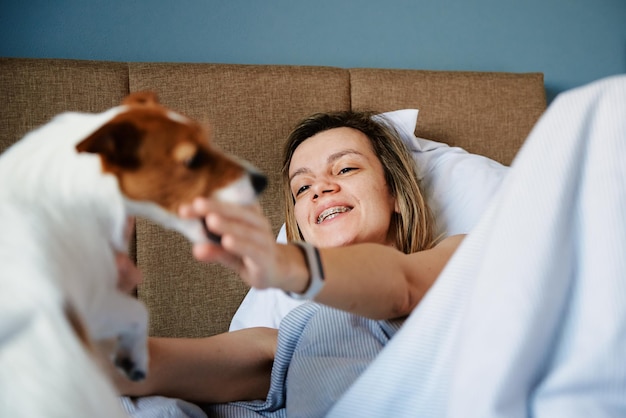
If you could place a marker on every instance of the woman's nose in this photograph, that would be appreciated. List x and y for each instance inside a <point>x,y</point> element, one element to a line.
<point>324,186</point>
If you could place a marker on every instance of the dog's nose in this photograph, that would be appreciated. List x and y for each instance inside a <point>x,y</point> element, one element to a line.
<point>259,182</point>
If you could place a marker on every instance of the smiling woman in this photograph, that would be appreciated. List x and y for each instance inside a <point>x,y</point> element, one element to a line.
<point>352,195</point>
<point>351,189</point>
<point>361,245</point>
<point>353,150</point>
<point>338,179</point>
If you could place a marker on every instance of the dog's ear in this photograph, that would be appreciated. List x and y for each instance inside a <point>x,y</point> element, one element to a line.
<point>117,143</point>
<point>141,98</point>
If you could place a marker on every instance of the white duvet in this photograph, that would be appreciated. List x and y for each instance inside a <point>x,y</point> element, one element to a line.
<point>529,317</point>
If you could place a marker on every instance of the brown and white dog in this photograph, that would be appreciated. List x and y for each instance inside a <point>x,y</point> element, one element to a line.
<point>66,191</point>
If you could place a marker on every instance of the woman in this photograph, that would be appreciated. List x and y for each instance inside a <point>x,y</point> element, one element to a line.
<point>352,193</point>
<point>361,172</point>
<point>532,306</point>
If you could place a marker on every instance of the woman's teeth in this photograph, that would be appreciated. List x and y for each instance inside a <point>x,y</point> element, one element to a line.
<point>331,213</point>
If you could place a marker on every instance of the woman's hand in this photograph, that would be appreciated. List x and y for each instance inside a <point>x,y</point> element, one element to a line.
<point>247,244</point>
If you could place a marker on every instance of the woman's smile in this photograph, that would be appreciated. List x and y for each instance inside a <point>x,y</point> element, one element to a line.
<point>332,213</point>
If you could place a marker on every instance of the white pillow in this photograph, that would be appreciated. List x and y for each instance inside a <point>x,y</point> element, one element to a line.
<point>458,187</point>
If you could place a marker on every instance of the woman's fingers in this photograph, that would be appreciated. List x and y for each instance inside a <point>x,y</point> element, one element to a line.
<point>247,240</point>
<point>211,253</point>
<point>240,227</point>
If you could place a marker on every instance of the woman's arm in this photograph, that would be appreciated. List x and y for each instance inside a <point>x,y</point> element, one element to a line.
<point>380,282</point>
<point>372,280</point>
<point>221,368</point>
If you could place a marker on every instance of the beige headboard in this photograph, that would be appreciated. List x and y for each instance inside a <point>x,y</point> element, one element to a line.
<point>250,109</point>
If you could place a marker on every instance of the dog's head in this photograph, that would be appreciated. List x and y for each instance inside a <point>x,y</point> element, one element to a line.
<point>163,159</point>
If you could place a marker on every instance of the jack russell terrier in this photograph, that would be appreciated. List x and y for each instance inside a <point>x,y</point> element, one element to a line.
<point>66,192</point>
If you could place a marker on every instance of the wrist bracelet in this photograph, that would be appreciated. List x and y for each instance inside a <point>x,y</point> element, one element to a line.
<point>316,273</point>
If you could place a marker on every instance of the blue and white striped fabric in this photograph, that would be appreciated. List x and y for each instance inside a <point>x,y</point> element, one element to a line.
<point>321,352</point>
<point>529,317</point>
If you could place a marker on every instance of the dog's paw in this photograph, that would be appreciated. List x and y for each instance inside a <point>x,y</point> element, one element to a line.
<point>131,355</point>
<point>130,368</point>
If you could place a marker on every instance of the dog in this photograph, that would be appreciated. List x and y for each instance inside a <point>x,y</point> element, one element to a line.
<point>66,192</point>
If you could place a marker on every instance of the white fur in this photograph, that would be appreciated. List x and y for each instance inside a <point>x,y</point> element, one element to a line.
<point>192,229</point>
<point>239,191</point>
<point>60,221</point>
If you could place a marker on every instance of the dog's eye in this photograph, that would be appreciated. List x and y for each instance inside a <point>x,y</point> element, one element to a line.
<point>189,154</point>
<point>195,161</point>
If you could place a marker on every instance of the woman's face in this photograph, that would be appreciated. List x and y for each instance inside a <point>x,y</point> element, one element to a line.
<point>340,192</point>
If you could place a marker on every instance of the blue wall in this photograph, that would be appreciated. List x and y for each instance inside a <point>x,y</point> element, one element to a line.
<point>571,41</point>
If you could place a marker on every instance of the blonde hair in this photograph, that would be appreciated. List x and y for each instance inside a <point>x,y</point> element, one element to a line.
<point>414,223</point>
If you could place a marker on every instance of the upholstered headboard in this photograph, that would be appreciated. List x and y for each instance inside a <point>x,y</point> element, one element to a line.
<point>251,109</point>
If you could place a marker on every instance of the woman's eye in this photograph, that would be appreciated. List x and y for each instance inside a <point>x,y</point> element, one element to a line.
<point>301,190</point>
<point>346,170</point>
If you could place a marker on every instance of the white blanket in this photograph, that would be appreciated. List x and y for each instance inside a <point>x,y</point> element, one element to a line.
<point>529,317</point>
